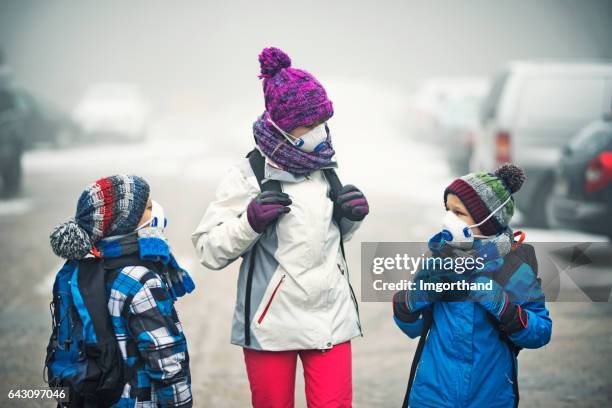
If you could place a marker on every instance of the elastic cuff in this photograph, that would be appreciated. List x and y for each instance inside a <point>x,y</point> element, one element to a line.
<point>505,307</point>
<point>514,319</point>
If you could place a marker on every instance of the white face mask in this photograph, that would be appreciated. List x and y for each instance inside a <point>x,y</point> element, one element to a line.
<point>458,234</point>
<point>312,141</point>
<point>158,218</point>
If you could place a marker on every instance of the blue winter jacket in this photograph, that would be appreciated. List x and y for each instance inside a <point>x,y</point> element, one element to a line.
<point>464,361</point>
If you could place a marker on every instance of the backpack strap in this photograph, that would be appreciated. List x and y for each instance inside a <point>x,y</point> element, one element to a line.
<point>92,300</point>
<point>258,165</point>
<point>335,185</point>
<point>427,316</point>
<point>91,284</point>
<point>523,253</point>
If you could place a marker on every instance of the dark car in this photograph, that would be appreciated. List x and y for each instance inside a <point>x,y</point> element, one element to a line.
<point>583,192</point>
<point>11,144</point>
<point>43,124</point>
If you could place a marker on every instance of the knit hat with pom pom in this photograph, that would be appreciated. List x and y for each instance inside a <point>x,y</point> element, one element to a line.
<point>110,206</point>
<point>293,96</point>
<point>482,193</point>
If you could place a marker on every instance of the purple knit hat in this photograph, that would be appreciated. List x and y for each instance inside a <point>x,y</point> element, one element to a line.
<point>293,96</point>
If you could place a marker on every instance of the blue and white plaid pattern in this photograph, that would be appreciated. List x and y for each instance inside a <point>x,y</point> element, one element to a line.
<point>150,336</point>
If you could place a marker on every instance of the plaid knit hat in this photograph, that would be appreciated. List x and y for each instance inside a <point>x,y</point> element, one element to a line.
<point>110,206</point>
<point>482,193</point>
<point>293,96</point>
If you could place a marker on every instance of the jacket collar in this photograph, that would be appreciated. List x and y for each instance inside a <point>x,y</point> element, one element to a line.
<point>272,172</point>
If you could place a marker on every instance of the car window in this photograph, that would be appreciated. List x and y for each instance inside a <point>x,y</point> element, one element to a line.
<point>560,101</point>
<point>489,106</point>
<point>593,138</point>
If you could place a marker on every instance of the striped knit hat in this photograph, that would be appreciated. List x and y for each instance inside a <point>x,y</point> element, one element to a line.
<point>293,96</point>
<point>482,193</point>
<point>110,206</point>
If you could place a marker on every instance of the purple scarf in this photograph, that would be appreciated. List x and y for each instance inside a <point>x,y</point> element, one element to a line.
<point>275,147</point>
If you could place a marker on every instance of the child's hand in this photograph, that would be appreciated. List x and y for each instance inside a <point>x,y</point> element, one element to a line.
<point>266,208</point>
<point>494,301</point>
<point>417,298</point>
<point>497,302</point>
<point>400,308</point>
<point>351,204</point>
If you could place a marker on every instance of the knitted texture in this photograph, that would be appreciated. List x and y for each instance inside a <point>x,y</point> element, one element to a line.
<point>110,206</point>
<point>293,97</point>
<point>482,193</point>
<point>285,155</point>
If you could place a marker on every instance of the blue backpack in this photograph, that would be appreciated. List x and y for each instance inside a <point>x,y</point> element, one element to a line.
<point>83,353</point>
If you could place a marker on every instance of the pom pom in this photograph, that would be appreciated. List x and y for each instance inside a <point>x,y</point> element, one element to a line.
<point>70,241</point>
<point>272,60</point>
<point>512,176</point>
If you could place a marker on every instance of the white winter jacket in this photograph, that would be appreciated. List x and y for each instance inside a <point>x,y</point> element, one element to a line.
<point>299,295</point>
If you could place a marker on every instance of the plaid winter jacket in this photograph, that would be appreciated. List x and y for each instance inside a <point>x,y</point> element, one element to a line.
<point>151,338</point>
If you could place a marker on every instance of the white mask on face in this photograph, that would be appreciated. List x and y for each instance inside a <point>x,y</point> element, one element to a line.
<point>158,218</point>
<point>458,234</point>
<point>312,141</point>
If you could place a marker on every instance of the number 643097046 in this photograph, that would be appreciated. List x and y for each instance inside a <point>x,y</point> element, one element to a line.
<point>47,393</point>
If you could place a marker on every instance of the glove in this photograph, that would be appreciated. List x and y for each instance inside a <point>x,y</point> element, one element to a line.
<point>418,299</point>
<point>493,301</point>
<point>351,204</point>
<point>497,302</point>
<point>266,208</point>
<point>400,308</point>
<point>408,304</point>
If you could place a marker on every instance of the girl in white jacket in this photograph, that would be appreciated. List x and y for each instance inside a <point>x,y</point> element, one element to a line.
<point>284,212</point>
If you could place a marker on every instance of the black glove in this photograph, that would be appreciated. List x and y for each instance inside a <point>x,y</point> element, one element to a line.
<point>400,308</point>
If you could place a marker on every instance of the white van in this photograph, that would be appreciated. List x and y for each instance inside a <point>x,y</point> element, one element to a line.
<point>532,110</point>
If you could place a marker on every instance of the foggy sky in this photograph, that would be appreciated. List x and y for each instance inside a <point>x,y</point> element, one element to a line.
<point>208,50</point>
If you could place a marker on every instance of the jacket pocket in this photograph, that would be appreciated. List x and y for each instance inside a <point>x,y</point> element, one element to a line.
<point>265,311</point>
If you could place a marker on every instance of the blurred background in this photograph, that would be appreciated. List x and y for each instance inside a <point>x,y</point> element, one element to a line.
<point>422,91</point>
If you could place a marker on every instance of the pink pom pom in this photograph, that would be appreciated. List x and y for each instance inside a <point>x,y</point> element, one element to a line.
<point>272,60</point>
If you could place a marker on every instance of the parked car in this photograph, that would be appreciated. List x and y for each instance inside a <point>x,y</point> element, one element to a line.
<point>532,110</point>
<point>112,111</point>
<point>582,197</point>
<point>427,103</point>
<point>43,124</point>
<point>458,122</point>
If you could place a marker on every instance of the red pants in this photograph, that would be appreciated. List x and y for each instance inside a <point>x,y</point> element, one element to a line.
<point>327,376</point>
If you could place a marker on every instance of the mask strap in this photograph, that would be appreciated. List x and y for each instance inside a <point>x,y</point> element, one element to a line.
<point>492,213</point>
<point>285,134</point>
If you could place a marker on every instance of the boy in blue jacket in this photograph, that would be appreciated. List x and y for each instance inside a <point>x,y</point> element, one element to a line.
<point>471,337</point>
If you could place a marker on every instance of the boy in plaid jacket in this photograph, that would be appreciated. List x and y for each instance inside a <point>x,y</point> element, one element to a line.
<point>117,221</point>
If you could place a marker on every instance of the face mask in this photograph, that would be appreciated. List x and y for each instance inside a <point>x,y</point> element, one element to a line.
<point>458,234</point>
<point>158,218</point>
<point>312,141</point>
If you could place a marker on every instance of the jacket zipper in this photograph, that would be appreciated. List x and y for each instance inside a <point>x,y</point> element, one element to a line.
<point>353,297</point>
<point>265,311</point>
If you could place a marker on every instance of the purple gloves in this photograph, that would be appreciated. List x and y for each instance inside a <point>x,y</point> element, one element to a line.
<point>265,208</point>
<point>351,204</point>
